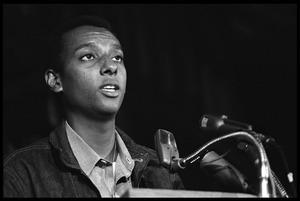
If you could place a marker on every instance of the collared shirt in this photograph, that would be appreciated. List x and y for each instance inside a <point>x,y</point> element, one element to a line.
<point>111,178</point>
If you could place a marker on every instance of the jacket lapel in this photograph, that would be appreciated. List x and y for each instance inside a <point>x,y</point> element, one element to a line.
<point>139,155</point>
<point>59,140</point>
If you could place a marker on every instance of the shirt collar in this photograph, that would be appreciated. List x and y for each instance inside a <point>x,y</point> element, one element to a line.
<point>87,157</point>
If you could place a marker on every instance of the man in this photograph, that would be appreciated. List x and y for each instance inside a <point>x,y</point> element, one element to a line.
<point>86,155</point>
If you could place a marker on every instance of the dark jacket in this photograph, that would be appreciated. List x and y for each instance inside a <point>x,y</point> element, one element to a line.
<point>48,168</point>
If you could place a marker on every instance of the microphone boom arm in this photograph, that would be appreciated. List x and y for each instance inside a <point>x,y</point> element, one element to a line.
<point>264,165</point>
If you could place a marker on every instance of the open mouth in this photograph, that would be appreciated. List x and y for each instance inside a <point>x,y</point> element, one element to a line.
<point>110,90</point>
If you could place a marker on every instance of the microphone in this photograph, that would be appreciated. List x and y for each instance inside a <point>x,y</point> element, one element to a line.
<point>167,151</point>
<point>223,125</point>
<point>166,147</point>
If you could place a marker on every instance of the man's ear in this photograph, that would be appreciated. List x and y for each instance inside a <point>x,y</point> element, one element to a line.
<point>53,80</point>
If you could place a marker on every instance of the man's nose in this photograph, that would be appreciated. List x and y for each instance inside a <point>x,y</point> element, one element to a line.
<point>108,67</point>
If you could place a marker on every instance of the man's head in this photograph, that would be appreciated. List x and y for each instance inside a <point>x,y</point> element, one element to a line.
<point>87,68</point>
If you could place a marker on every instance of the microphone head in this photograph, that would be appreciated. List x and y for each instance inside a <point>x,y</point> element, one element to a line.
<point>165,146</point>
<point>222,124</point>
<point>210,122</point>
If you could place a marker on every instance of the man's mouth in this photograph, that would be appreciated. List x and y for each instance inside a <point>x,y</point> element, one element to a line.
<point>110,90</point>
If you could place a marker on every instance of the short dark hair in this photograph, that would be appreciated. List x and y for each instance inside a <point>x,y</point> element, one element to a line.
<point>56,41</point>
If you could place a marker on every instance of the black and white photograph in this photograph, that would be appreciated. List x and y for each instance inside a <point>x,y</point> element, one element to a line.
<point>150,100</point>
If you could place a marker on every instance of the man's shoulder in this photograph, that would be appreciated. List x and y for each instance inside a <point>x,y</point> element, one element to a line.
<point>148,150</point>
<point>31,152</point>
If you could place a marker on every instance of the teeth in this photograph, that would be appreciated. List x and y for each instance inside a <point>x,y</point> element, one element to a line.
<point>109,87</point>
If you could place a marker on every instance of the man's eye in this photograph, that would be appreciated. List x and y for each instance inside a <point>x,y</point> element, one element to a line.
<point>118,58</point>
<point>87,57</point>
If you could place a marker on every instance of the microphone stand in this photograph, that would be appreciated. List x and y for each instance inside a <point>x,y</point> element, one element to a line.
<point>265,178</point>
<point>268,141</point>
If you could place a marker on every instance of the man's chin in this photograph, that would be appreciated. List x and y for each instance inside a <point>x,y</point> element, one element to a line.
<point>106,109</point>
<point>107,113</point>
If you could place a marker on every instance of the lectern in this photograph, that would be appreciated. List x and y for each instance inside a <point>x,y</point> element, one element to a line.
<point>146,192</point>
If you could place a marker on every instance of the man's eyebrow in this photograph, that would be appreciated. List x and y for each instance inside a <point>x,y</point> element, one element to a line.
<point>91,44</point>
<point>85,45</point>
<point>118,46</point>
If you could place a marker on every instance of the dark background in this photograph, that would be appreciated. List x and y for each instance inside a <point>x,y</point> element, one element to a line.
<point>182,61</point>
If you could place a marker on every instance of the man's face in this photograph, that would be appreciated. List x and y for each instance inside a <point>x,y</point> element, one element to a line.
<point>94,75</point>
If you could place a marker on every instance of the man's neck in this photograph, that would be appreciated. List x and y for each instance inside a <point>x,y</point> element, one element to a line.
<point>99,135</point>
